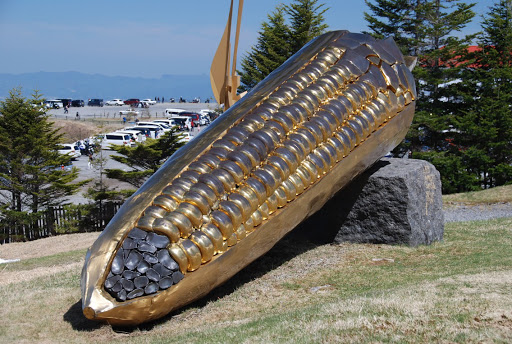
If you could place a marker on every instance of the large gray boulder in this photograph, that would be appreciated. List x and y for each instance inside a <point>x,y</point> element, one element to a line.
<point>396,201</point>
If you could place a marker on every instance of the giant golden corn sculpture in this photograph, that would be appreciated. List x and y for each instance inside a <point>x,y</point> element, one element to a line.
<point>270,161</point>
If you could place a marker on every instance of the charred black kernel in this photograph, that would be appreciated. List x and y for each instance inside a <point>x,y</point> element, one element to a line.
<point>145,247</point>
<point>109,282</point>
<point>153,275</point>
<point>128,274</point>
<point>137,234</point>
<point>127,284</point>
<point>140,282</point>
<point>162,271</point>
<point>165,283</point>
<point>142,266</point>
<point>177,276</point>
<point>159,241</point>
<point>150,258</point>
<point>151,288</point>
<point>129,244</point>
<point>133,260</point>
<point>121,296</point>
<point>135,293</point>
<point>117,263</point>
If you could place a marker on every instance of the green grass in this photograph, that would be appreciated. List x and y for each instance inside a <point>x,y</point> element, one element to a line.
<point>455,291</point>
<point>53,260</point>
<point>498,194</point>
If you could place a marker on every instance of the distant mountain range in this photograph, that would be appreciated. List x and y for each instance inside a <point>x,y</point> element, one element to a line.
<point>77,85</point>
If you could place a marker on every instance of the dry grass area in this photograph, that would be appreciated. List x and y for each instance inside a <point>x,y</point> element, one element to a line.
<point>500,194</point>
<point>458,290</point>
<point>78,130</point>
<point>47,246</point>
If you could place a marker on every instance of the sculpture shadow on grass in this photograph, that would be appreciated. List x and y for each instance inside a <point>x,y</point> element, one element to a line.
<point>77,319</point>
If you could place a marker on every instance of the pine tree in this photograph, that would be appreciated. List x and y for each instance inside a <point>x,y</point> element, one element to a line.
<point>486,125</point>
<point>31,178</point>
<point>396,19</point>
<point>279,40</point>
<point>145,158</point>
<point>306,22</point>
<point>429,30</point>
<point>270,52</point>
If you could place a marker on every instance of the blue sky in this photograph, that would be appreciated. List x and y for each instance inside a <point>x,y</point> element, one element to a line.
<point>135,38</point>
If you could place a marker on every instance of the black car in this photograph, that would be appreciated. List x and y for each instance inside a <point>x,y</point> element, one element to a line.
<point>77,103</point>
<point>65,102</point>
<point>95,102</point>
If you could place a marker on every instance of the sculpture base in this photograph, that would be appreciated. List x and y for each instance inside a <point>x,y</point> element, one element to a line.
<point>396,201</point>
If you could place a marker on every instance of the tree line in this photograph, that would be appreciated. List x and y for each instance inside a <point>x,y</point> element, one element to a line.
<point>463,120</point>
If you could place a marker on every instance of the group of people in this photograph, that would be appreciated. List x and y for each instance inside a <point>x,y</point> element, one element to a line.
<point>86,147</point>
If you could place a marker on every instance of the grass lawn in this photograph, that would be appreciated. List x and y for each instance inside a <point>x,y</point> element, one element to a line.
<point>458,290</point>
<point>498,194</point>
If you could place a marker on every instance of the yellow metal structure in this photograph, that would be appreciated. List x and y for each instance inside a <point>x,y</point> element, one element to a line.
<point>224,81</point>
<point>269,162</point>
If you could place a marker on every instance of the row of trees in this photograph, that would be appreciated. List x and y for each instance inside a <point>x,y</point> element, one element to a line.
<point>463,121</point>
<point>32,177</point>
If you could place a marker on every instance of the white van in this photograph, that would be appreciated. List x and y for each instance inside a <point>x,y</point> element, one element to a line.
<point>173,112</point>
<point>183,122</point>
<point>54,104</point>
<point>136,135</point>
<point>107,140</point>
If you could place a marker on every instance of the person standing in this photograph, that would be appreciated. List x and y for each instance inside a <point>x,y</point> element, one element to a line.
<point>89,163</point>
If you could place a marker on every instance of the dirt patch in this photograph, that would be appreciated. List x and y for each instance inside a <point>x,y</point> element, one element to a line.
<point>47,246</point>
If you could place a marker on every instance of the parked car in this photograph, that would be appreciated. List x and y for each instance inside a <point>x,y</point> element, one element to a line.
<point>205,120</point>
<point>65,102</point>
<point>151,131</point>
<point>68,149</point>
<point>77,103</point>
<point>132,101</point>
<point>162,126</point>
<point>107,140</point>
<point>183,123</point>
<point>196,118</point>
<point>54,104</point>
<point>136,135</point>
<point>115,102</point>
<point>95,102</point>
<point>148,101</point>
<point>185,137</point>
<point>173,112</point>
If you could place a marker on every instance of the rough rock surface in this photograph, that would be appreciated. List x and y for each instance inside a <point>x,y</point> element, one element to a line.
<point>396,201</point>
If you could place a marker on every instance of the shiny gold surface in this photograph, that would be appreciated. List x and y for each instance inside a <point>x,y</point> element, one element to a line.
<point>269,162</point>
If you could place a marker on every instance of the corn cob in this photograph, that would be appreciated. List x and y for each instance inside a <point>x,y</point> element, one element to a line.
<point>273,159</point>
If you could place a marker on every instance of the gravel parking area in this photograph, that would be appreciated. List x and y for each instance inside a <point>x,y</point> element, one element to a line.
<point>112,112</point>
<point>459,213</point>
